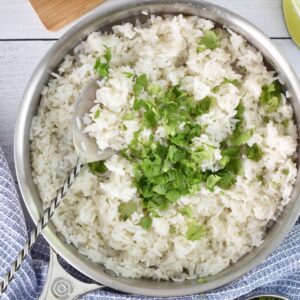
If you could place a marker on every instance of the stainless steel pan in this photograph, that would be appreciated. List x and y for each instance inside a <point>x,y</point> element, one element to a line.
<point>116,12</point>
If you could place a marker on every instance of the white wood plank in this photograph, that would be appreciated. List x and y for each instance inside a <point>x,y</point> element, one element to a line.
<point>18,20</point>
<point>19,59</point>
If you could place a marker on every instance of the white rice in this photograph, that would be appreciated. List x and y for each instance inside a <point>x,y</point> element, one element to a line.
<point>236,219</point>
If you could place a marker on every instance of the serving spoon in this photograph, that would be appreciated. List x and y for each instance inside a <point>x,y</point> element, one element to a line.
<point>87,151</point>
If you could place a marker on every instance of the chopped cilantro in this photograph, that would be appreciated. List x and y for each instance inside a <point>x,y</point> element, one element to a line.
<point>97,167</point>
<point>107,54</point>
<point>227,180</point>
<point>200,156</point>
<point>97,114</point>
<point>146,222</point>
<point>102,68</point>
<point>173,195</point>
<point>271,96</point>
<point>254,152</point>
<point>231,81</point>
<point>260,178</point>
<point>266,119</point>
<point>204,105</point>
<point>165,171</point>
<point>128,74</point>
<point>172,229</point>
<point>187,211</point>
<point>128,117</point>
<point>126,209</point>
<point>150,119</point>
<point>224,161</point>
<point>286,171</point>
<point>140,84</point>
<point>195,231</point>
<point>201,280</point>
<point>239,138</point>
<point>234,165</point>
<point>210,40</point>
<point>285,123</point>
<point>211,181</point>
<point>154,89</point>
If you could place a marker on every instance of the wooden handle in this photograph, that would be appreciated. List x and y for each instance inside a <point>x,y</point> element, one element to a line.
<point>55,14</point>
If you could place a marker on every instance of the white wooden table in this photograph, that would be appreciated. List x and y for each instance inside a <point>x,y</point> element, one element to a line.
<point>23,42</point>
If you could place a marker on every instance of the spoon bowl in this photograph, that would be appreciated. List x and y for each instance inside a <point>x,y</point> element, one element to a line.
<point>86,146</point>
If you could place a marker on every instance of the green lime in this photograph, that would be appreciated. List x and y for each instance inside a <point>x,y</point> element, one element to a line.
<point>291,10</point>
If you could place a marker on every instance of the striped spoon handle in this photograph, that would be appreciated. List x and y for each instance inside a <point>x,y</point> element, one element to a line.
<point>48,213</point>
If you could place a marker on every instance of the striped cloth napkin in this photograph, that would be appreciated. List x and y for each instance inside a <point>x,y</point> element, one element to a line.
<point>279,274</point>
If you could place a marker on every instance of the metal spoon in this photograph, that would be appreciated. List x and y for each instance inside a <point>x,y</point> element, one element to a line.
<point>90,153</point>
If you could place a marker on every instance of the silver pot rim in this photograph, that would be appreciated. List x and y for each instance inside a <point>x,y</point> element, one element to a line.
<point>115,12</point>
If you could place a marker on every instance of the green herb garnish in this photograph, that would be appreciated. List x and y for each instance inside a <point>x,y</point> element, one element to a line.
<point>97,114</point>
<point>211,181</point>
<point>102,68</point>
<point>187,211</point>
<point>172,229</point>
<point>231,81</point>
<point>128,74</point>
<point>201,280</point>
<point>210,40</point>
<point>271,96</point>
<point>126,209</point>
<point>254,152</point>
<point>146,222</point>
<point>98,167</point>
<point>140,84</point>
<point>195,231</point>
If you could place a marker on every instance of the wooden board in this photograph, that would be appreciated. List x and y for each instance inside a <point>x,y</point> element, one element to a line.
<point>55,14</point>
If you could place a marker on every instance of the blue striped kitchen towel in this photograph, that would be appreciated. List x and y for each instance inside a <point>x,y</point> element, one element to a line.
<point>279,274</point>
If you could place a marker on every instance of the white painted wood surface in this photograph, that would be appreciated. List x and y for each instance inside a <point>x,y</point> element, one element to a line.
<point>17,20</point>
<point>23,42</point>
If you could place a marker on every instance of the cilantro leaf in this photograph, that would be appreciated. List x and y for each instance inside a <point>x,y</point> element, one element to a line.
<point>231,152</point>
<point>173,195</point>
<point>176,154</point>
<point>146,222</point>
<point>231,81</point>
<point>201,280</point>
<point>128,74</point>
<point>195,231</point>
<point>107,54</point>
<point>271,96</point>
<point>126,209</point>
<point>102,68</point>
<point>254,152</point>
<point>204,105</point>
<point>150,119</point>
<point>97,167</point>
<point>224,161</point>
<point>97,114</point>
<point>226,181</point>
<point>140,84</point>
<point>200,156</point>
<point>211,181</point>
<point>234,165</point>
<point>187,211</point>
<point>172,229</point>
<point>239,138</point>
<point>210,40</point>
